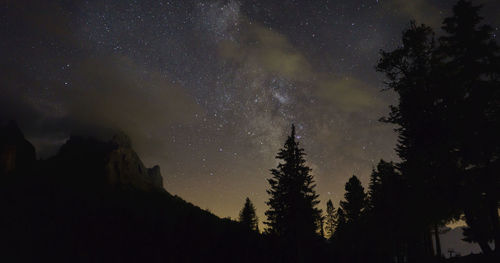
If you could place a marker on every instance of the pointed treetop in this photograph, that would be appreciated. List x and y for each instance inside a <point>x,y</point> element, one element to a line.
<point>248,217</point>
<point>293,200</point>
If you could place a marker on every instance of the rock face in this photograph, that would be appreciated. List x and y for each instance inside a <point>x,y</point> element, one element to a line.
<point>82,161</point>
<point>155,175</point>
<point>124,168</point>
<point>16,153</point>
<point>87,162</point>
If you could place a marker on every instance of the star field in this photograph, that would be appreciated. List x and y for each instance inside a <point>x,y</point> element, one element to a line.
<point>209,89</point>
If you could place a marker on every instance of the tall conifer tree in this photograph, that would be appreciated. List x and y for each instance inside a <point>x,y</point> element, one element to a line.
<point>248,217</point>
<point>471,58</point>
<point>292,204</point>
<point>331,219</point>
<point>355,199</point>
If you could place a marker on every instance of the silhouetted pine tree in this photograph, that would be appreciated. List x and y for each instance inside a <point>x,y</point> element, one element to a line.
<point>386,213</point>
<point>331,219</point>
<point>293,215</point>
<point>414,71</point>
<point>322,227</point>
<point>248,218</point>
<point>472,62</point>
<point>449,120</point>
<point>348,239</point>
<point>337,237</point>
<point>339,227</point>
<point>355,200</point>
<point>341,219</point>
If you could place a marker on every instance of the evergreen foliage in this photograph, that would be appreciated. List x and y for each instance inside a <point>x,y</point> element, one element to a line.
<point>448,122</point>
<point>292,204</point>
<point>355,198</point>
<point>293,216</point>
<point>247,217</point>
<point>331,219</point>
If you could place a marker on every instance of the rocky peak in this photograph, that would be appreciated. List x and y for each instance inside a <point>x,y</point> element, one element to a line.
<point>16,153</point>
<point>113,163</point>
<point>156,177</point>
<point>89,160</point>
<point>124,168</point>
<point>121,140</point>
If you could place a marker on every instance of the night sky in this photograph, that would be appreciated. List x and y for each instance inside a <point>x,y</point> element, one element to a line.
<point>209,89</point>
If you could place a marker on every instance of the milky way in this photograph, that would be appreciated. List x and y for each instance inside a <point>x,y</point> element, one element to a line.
<point>209,89</point>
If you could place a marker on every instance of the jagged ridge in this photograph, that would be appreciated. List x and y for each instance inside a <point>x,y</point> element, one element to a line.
<point>95,201</point>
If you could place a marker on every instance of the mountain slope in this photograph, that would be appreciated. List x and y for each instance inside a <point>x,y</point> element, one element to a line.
<point>96,202</point>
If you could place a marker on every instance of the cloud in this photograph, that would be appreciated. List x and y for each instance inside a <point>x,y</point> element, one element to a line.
<point>349,93</point>
<point>102,95</point>
<point>266,52</point>
<point>113,92</point>
<point>423,11</point>
<point>53,84</point>
<point>432,13</point>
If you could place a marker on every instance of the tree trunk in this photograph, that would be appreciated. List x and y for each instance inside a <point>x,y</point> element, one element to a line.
<point>438,241</point>
<point>322,232</point>
<point>473,225</point>
<point>428,241</point>
<point>492,203</point>
<point>485,247</point>
<point>493,210</point>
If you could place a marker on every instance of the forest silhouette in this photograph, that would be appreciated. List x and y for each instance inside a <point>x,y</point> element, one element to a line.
<point>94,201</point>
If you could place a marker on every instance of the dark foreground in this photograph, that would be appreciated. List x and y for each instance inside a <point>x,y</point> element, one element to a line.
<point>96,202</point>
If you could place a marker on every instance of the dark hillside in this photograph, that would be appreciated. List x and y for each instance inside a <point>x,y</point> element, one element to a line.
<point>96,202</point>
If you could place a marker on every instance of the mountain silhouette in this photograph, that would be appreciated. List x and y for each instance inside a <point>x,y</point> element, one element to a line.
<point>95,201</point>
<point>16,153</point>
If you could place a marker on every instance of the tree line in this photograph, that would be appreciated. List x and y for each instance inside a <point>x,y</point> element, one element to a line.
<point>448,125</point>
